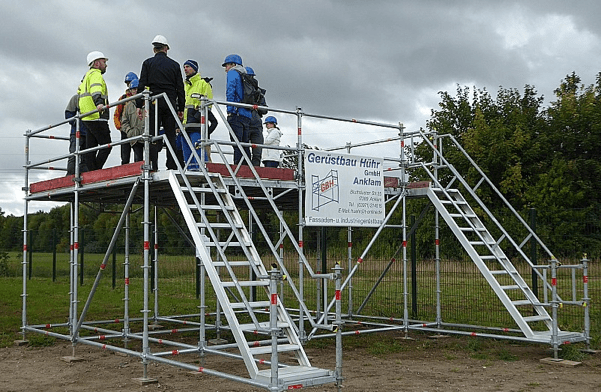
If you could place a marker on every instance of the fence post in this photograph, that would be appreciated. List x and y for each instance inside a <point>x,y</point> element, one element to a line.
<point>114,267</point>
<point>586,302</point>
<point>533,253</point>
<point>30,253</point>
<point>81,253</point>
<point>413,270</point>
<point>54,255</point>
<point>152,262</point>
<point>197,259</point>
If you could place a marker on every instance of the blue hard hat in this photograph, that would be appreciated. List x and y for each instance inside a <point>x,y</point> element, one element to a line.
<point>134,83</point>
<point>271,119</point>
<point>232,58</point>
<point>250,71</point>
<point>130,76</point>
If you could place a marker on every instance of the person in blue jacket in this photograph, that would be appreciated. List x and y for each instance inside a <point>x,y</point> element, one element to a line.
<point>71,111</point>
<point>255,133</point>
<point>238,118</point>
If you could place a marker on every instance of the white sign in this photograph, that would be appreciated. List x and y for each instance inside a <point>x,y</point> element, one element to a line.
<point>343,190</point>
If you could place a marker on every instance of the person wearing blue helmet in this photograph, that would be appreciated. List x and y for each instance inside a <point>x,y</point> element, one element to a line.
<point>117,117</point>
<point>132,125</point>
<point>238,118</point>
<point>255,131</point>
<point>272,157</point>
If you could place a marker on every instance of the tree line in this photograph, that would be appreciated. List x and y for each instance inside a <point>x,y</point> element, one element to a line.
<point>542,158</point>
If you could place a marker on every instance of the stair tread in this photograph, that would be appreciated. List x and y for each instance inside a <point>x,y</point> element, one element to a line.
<point>264,326</point>
<point>231,244</point>
<point>267,349</point>
<point>219,225</point>
<point>243,263</point>
<point>530,319</point>
<point>525,302</point>
<point>247,283</point>
<point>253,304</point>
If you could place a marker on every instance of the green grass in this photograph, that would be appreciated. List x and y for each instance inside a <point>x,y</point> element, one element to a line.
<point>465,298</point>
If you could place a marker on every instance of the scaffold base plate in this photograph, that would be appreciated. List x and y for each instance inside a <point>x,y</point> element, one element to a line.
<point>145,381</point>
<point>560,362</point>
<point>21,342</point>
<point>71,359</point>
<point>436,337</point>
<point>216,342</point>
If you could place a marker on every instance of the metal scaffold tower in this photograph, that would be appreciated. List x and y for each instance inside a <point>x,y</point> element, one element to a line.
<point>263,304</point>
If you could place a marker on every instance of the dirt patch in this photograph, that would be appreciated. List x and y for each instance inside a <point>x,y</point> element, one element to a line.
<point>423,364</point>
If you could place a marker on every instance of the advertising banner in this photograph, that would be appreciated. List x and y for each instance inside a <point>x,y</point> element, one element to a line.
<point>343,190</point>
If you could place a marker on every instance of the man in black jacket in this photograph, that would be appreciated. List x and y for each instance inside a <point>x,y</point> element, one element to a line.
<point>161,74</point>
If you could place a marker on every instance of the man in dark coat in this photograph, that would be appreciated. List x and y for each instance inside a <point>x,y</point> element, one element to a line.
<point>162,74</point>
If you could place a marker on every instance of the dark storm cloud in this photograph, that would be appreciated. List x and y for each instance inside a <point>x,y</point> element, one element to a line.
<point>377,60</point>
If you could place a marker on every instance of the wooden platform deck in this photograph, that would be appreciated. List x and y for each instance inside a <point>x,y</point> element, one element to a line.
<point>113,185</point>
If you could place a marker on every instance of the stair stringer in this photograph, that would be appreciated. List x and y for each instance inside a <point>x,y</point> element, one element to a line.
<point>503,261</point>
<point>304,373</point>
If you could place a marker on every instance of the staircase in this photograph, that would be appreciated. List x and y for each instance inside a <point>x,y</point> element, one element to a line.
<point>485,251</point>
<point>236,273</point>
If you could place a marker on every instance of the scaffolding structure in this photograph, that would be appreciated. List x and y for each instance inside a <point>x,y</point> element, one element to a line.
<point>249,294</point>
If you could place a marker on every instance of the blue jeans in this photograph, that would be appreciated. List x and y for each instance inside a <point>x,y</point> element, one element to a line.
<point>271,163</point>
<point>194,137</point>
<point>240,125</point>
<point>71,161</point>
<point>255,136</point>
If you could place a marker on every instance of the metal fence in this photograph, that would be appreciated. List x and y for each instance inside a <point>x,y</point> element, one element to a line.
<point>378,288</point>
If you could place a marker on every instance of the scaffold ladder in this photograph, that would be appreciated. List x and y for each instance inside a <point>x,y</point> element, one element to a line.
<point>485,251</point>
<point>234,268</point>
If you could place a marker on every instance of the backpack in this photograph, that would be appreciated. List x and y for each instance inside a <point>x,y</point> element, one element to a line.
<point>253,94</point>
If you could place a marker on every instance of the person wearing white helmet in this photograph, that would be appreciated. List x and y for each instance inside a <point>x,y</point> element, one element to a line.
<point>162,74</point>
<point>93,95</point>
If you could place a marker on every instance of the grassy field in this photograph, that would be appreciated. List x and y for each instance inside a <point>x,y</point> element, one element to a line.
<point>466,298</point>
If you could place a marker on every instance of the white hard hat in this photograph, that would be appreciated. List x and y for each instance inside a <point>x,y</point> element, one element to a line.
<point>159,39</point>
<point>95,55</point>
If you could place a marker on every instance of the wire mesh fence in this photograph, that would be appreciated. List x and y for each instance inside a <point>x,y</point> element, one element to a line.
<point>380,286</point>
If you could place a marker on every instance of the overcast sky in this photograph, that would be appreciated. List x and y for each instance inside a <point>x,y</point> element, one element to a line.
<point>381,61</point>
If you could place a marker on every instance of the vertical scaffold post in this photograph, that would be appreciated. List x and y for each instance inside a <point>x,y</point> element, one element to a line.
<point>586,301</point>
<point>404,165</point>
<point>554,306</point>
<point>25,255</point>
<point>338,324</point>
<point>146,266</point>
<point>126,282</point>
<point>204,132</point>
<point>274,276</point>
<point>202,334</point>
<point>435,158</point>
<point>349,254</point>
<point>301,221</point>
<point>156,266</point>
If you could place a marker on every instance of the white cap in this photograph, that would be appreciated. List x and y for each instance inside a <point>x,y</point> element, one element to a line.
<point>95,55</point>
<point>159,39</point>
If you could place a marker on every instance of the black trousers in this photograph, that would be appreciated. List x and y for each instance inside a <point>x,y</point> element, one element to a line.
<point>98,134</point>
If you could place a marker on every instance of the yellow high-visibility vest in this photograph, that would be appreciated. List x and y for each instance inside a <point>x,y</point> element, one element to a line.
<point>92,85</point>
